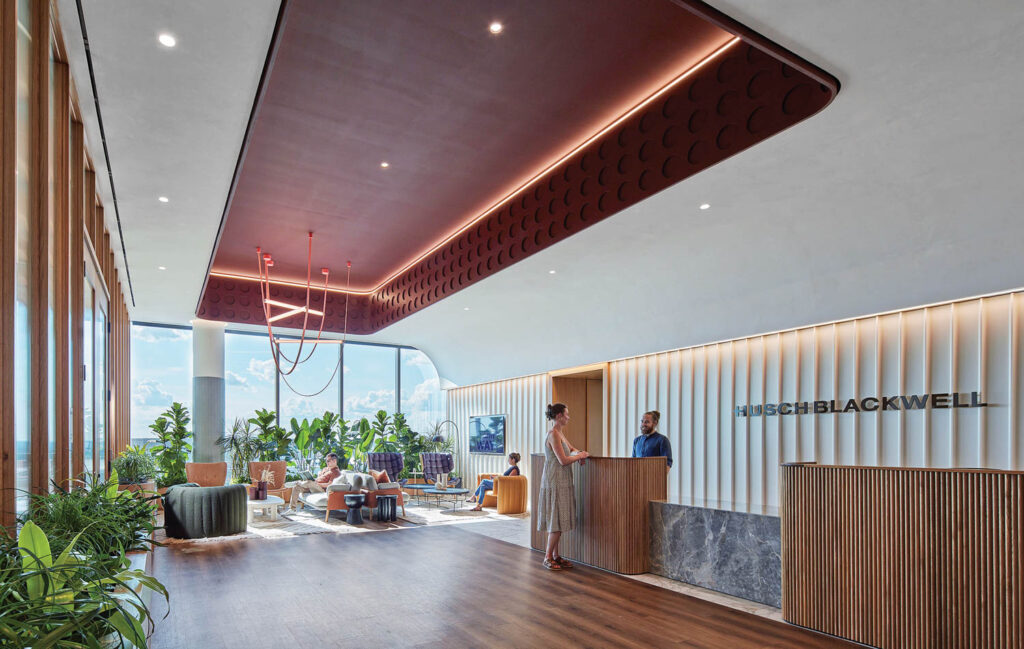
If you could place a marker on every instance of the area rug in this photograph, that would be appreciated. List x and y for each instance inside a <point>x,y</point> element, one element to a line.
<point>312,522</point>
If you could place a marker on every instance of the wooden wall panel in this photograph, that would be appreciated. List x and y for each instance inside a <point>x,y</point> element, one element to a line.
<point>8,39</point>
<point>904,558</point>
<point>61,257</point>
<point>613,511</point>
<point>39,285</point>
<point>573,393</point>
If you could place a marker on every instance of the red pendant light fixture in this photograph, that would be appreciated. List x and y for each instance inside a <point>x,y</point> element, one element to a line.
<point>265,262</point>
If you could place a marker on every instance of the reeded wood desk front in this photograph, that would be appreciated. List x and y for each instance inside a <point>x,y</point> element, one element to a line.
<point>612,524</point>
<point>904,558</point>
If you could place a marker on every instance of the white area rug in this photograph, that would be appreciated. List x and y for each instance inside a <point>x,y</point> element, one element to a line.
<point>310,521</point>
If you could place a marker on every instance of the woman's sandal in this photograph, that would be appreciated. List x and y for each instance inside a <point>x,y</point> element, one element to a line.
<point>552,565</point>
<point>563,562</point>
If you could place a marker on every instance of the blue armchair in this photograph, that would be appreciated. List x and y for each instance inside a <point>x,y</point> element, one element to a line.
<point>393,463</point>
<point>434,463</point>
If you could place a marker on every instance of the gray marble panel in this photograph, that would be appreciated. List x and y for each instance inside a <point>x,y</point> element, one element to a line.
<point>730,552</point>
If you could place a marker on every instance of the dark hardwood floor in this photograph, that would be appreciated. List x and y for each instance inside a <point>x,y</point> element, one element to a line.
<point>428,587</point>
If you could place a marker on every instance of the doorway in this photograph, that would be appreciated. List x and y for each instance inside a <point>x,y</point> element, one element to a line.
<point>582,389</point>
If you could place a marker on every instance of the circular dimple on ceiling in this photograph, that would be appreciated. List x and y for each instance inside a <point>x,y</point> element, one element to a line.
<point>698,153</point>
<point>797,99</point>
<point>759,84</point>
<point>698,120</point>
<point>728,103</point>
<point>726,137</point>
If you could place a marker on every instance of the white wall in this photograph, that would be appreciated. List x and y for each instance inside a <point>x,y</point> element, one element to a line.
<point>521,400</point>
<point>729,461</point>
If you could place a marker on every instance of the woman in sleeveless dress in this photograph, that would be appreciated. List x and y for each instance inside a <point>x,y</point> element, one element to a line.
<point>557,498</point>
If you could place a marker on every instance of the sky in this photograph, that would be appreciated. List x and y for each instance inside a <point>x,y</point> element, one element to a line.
<point>162,373</point>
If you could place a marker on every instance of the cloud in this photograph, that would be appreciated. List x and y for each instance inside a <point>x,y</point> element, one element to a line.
<point>362,405</point>
<point>148,392</point>
<point>263,370</point>
<point>231,378</point>
<point>159,334</point>
<point>416,357</point>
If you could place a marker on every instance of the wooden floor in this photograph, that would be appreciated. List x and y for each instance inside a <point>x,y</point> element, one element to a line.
<point>429,587</point>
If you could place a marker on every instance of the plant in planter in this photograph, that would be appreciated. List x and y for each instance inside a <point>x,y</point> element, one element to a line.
<point>410,445</point>
<point>274,439</point>
<point>106,523</point>
<point>135,468</point>
<point>244,446</point>
<point>65,599</point>
<point>313,440</point>
<point>172,448</point>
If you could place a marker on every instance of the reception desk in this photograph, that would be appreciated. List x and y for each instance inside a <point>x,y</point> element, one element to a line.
<point>612,511</point>
<point>902,557</point>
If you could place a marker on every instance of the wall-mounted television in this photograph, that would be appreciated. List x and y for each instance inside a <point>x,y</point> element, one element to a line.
<point>487,434</point>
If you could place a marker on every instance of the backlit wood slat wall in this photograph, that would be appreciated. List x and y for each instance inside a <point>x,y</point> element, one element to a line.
<point>613,511</point>
<point>904,558</point>
<point>75,211</point>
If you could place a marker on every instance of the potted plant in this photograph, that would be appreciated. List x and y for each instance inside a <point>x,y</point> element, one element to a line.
<point>244,446</point>
<point>135,469</point>
<point>274,440</point>
<point>172,448</point>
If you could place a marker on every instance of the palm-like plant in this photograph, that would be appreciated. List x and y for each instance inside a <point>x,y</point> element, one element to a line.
<point>244,446</point>
<point>384,438</point>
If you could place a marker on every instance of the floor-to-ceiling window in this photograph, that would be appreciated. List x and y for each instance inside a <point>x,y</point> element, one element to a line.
<point>24,179</point>
<point>249,377</point>
<point>370,381</point>
<point>421,391</point>
<point>161,375</point>
<point>312,388</point>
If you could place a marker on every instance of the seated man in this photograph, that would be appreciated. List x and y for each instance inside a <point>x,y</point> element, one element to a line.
<point>330,472</point>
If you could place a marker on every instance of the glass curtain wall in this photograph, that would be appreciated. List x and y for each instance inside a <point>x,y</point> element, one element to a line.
<point>370,380</point>
<point>249,383</point>
<point>313,387</point>
<point>161,374</point>
<point>421,391</point>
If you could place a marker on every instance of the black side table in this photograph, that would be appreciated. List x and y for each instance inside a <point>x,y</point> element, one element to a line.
<point>387,507</point>
<point>355,503</point>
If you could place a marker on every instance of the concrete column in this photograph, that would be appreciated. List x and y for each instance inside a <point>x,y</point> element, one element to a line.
<point>207,390</point>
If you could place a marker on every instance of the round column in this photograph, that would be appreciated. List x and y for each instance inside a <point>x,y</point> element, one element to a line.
<point>207,390</point>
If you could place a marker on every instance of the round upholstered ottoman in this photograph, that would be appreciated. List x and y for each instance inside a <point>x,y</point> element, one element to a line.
<point>194,512</point>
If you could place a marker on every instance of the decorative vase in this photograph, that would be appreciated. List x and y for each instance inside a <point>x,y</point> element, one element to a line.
<point>261,490</point>
<point>442,481</point>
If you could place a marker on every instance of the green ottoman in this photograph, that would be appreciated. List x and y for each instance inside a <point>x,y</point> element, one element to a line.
<point>194,512</point>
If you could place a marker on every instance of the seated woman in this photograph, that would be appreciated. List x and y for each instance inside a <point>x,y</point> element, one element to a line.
<point>487,484</point>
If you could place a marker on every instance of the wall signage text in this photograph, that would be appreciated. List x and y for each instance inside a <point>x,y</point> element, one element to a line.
<point>867,404</point>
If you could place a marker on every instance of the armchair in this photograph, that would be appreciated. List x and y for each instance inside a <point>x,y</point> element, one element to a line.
<point>207,474</point>
<point>434,463</point>
<point>393,463</point>
<point>276,487</point>
<point>508,495</point>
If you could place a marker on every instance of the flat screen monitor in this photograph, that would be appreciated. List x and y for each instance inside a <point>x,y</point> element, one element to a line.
<point>487,434</point>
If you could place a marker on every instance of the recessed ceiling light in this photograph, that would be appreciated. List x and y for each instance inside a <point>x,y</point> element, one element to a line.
<point>385,165</point>
<point>496,27</point>
<point>551,272</point>
<point>161,267</point>
<point>163,199</point>
<point>705,206</point>
<point>465,308</point>
<point>167,40</point>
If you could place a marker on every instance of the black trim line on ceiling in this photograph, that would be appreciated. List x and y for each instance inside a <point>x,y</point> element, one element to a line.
<point>261,88</point>
<point>106,153</point>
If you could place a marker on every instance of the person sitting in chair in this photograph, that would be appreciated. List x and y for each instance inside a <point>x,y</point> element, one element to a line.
<point>487,484</point>
<point>318,486</point>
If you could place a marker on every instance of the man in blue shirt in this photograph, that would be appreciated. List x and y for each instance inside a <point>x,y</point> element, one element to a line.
<point>651,443</point>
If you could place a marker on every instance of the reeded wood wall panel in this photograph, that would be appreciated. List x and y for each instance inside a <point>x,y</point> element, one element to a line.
<point>612,512</point>
<point>905,558</point>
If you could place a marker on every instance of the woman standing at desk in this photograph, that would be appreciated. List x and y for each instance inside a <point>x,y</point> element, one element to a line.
<point>557,500</point>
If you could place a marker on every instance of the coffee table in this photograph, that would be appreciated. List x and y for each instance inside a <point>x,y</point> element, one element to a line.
<point>268,506</point>
<point>455,492</point>
<point>416,490</point>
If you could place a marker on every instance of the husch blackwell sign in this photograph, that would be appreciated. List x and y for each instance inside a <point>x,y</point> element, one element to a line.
<point>867,404</point>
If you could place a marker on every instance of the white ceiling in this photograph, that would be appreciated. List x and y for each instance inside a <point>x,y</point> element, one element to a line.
<point>905,190</point>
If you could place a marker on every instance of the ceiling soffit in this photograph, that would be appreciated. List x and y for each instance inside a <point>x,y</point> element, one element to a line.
<point>745,92</point>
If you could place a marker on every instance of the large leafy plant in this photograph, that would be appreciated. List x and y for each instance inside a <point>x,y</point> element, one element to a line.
<point>172,448</point>
<point>313,440</point>
<point>65,599</point>
<point>106,522</point>
<point>274,440</point>
<point>244,446</point>
<point>134,465</point>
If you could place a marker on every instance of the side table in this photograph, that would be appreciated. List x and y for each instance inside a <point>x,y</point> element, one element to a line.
<point>387,508</point>
<point>355,503</point>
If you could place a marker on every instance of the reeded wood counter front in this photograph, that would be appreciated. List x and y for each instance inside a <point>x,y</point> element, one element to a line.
<point>612,511</point>
<point>904,558</point>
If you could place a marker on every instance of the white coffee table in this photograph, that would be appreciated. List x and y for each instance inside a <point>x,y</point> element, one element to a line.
<point>268,506</point>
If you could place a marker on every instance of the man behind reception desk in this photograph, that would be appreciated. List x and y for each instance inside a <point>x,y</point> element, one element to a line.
<point>651,443</point>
